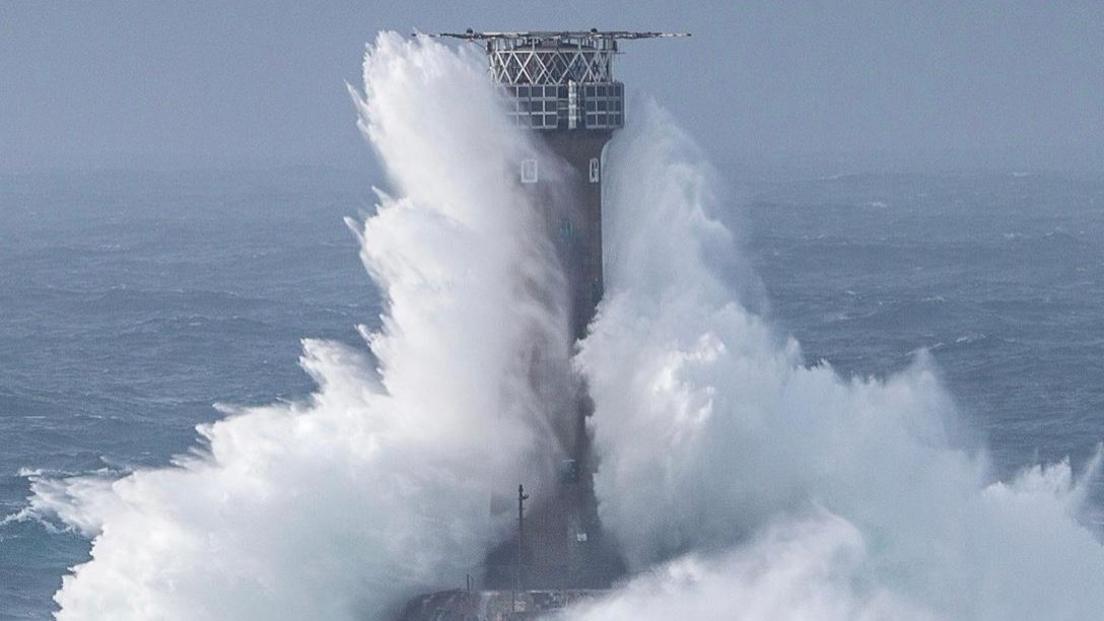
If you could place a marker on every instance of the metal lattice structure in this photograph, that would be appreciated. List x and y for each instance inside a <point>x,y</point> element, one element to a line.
<point>553,60</point>
<point>559,80</point>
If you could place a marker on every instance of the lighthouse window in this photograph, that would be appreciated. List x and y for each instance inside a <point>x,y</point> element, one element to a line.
<point>594,170</point>
<point>529,171</point>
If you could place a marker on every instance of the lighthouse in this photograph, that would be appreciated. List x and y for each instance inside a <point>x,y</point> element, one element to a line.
<point>561,86</point>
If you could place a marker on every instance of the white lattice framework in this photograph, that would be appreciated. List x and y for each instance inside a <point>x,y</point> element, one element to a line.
<point>558,80</point>
<point>554,57</point>
<point>551,61</point>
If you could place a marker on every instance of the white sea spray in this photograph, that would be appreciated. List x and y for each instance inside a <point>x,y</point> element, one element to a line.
<point>746,484</point>
<point>377,486</point>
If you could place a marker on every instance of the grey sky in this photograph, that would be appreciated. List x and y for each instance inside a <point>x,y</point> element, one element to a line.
<point>220,84</point>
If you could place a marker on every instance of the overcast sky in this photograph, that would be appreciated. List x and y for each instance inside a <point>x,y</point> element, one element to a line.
<point>226,84</point>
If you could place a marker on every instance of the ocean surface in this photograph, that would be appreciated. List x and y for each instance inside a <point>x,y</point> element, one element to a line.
<point>131,303</point>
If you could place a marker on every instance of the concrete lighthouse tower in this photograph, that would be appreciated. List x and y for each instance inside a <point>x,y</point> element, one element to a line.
<point>561,85</point>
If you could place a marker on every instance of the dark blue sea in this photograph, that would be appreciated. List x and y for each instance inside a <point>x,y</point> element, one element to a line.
<point>131,303</point>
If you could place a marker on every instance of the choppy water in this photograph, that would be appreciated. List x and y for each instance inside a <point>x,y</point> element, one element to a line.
<point>130,303</point>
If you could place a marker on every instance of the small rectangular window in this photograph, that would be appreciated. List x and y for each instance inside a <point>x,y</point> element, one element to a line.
<point>594,170</point>
<point>529,170</point>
